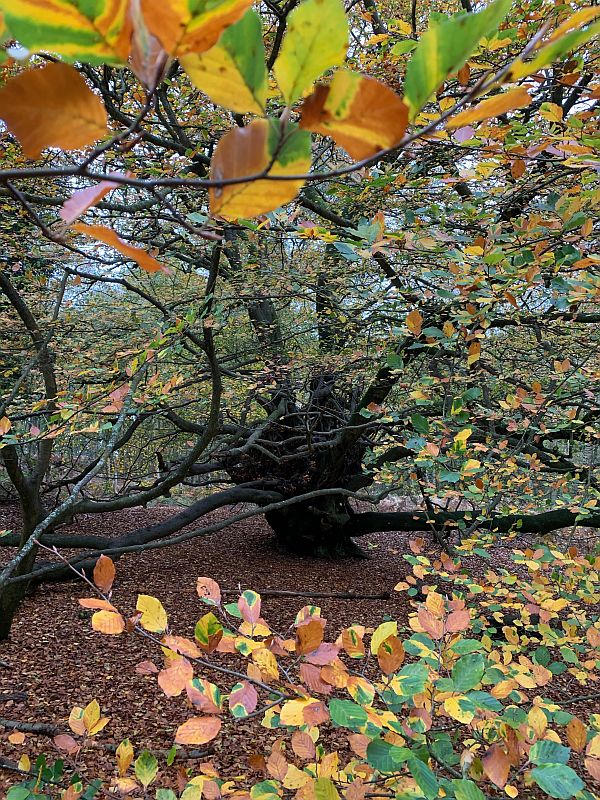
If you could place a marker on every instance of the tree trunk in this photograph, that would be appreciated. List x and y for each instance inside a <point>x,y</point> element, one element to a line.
<point>315,528</point>
<point>12,594</point>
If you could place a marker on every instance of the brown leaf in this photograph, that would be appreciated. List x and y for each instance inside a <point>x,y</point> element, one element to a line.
<point>104,574</point>
<point>198,730</point>
<point>52,106</point>
<point>496,765</point>
<point>303,746</point>
<point>414,322</point>
<point>390,655</point>
<point>146,668</point>
<point>593,767</point>
<point>277,765</point>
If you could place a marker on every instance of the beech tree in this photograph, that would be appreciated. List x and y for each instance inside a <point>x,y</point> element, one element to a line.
<point>329,255</point>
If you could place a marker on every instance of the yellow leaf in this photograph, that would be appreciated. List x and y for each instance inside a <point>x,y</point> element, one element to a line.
<point>124,756</point>
<point>249,151</point>
<point>24,763</point>
<point>52,106</point>
<point>491,107</point>
<point>266,662</point>
<point>382,632</point>
<point>538,721</point>
<point>295,778</point>
<point>5,425</point>
<point>154,617</point>
<point>474,353</point>
<point>292,712</point>
<point>76,722</point>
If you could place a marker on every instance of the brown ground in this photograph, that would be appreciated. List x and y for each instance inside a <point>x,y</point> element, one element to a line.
<point>58,661</point>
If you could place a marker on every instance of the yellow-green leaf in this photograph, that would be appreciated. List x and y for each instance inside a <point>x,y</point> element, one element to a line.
<point>233,72</point>
<point>361,114</point>
<point>97,33</point>
<point>244,152</point>
<point>384,631</point>
<point>52,107</point>
<point>315,41</point>
<point>444,48</point>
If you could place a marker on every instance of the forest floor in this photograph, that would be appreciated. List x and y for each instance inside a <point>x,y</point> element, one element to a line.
<point>56,661</point>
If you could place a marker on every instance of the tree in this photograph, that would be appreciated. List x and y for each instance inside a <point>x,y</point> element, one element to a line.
<point>403,305</point>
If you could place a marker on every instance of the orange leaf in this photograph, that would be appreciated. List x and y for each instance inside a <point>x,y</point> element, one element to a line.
<point>92,602</point>
<point>492,107</point>
<point>361,114</point>
<point>308,637</point>
<point>433,626</point>
<point>593,767</point>
<point>390,655</point>
<point>198,730</point>
<point>16,738</point>
<point>103,234</point>
<point>174,678</point>
<point>108,622</point>
<point>414,322</point>
<point>5,425</point>
<point>104,574</point>
<point>577,734</point>
<point>52,107</point>
<point>458,620</point>
<point>303,746</point>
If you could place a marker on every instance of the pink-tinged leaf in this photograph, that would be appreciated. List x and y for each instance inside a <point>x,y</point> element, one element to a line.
<point>310,675</point>
<point>174,678</point>
<point>198,730</point>
<point>67,743</point>
<point>208,591</point>
<point>96,603</point>
<point>464,134</point>
<point>80,201</point>
<point>324,654</point>
<point>181,645</point>
<point>147,58</point>
<point>458,621</point>
<point>146,668</point>
<point>103,234</point>
<point>243,699</point>
<point>249,606</point>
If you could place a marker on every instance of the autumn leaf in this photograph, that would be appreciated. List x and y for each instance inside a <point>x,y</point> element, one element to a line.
<point>198,730</point>
<point>67,743</point>
<point>233,72</point>
<point>5,425</point>
<point>253,150</point>
<point>154,617</point>
<point>360,114</point>
<point>175,677</point>
<point>103,234</point>
<point>414,322</point>
<point>249,605</point>
<point>208,591</point>
<point>16,738</point>
<point>96,33</point>
<point>390,655</point>
<point>80,201</point>
<point>104,574</point>
<point>308,637</point>
<point>109,622</point>
<point>184,27</point>
<point>496,765</point>
<point>492,107</point>
<point>124,756</point>
<point>52,106</point>
<point>243,699</point>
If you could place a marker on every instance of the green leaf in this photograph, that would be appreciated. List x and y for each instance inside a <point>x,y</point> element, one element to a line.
<point>420,423</point>
<point>554,51</point>
<point>325,789</point>
<point>166,794</point>
<point>426,780</point>
<point>171,755</point>
<point>548,752</point>
<point>411,679</point>
<point>265,790</point>
<point>468,672</point>
<point>207,629</point>
<point>557,780</point>
<point>146,767</point>
<point>444,48</point>
<point>386,757</point>
<point>348,714</point>
<point>406,46</point>
<point>467,790</point>
<point>233,73</point>
<point>18,793</point>
<point>316,40</point>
